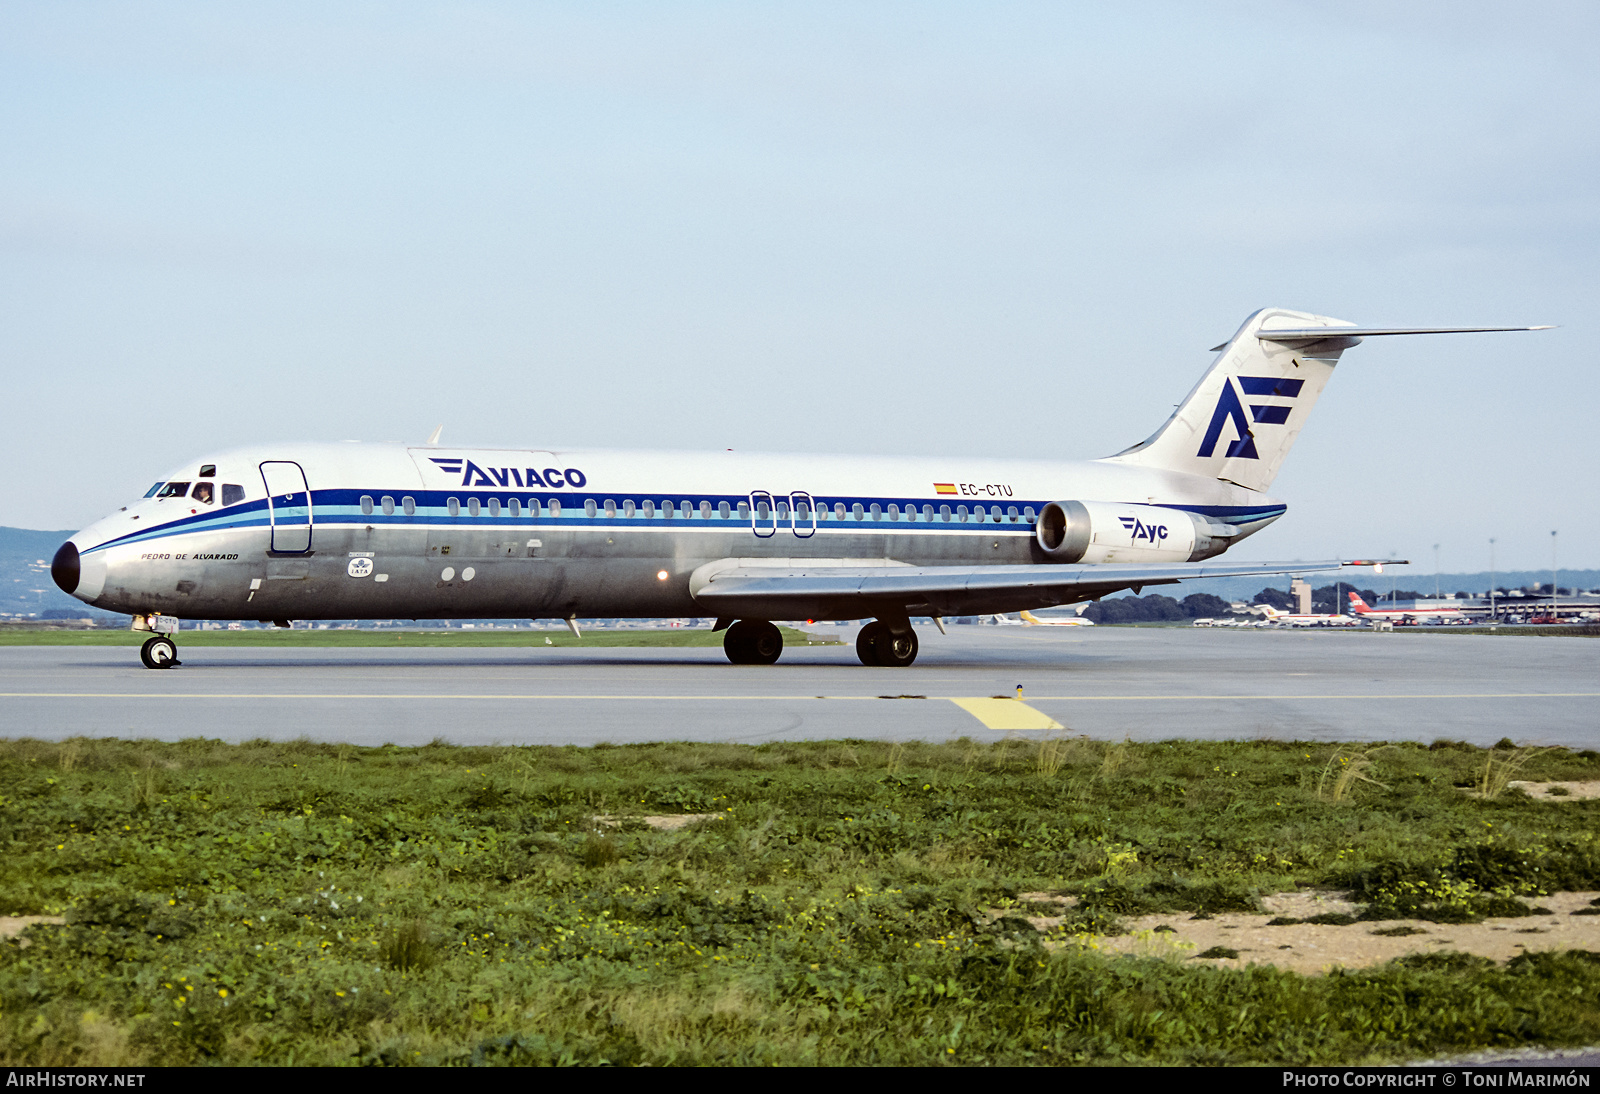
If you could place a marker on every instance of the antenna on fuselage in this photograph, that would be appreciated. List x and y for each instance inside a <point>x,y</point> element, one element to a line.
<point>433,438</point>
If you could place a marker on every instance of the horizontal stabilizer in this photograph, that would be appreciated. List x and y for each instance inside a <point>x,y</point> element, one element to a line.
<point>1317,334</point>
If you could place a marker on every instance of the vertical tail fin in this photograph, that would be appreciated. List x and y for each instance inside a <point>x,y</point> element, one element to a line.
<point>1242,417</point>
<point>1358,605</point>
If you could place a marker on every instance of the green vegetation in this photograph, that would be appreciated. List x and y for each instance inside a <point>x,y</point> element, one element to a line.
<point>390,637</point>
<point>853,902</point>
<point>1514,630</point>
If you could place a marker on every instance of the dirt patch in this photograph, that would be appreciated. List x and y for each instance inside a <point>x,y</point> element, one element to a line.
<point>1558,791</point>
<point>13,925</point>
<point>662,824</point>
<point>1314,948</point>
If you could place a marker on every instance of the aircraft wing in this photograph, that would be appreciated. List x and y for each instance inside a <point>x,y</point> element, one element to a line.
<point>753,588</point>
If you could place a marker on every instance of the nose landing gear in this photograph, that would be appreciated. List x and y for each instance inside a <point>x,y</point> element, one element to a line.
<point>159,652</point>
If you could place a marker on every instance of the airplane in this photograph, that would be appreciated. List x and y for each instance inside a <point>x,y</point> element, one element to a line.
<point>1298,619</point>
<point>1075,621</point>
<point>1403,615</point>
<point>278,532</point>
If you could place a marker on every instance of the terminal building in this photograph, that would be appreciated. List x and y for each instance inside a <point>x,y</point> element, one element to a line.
<point>1511,608</point>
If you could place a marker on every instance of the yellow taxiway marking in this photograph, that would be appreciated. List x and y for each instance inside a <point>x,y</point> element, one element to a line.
<point>455,696</point>
<point>1006,714</point>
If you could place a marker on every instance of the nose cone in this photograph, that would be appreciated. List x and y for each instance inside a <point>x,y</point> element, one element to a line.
<point>64,567</point>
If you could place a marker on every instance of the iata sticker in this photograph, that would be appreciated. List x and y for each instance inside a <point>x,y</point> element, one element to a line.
<point>359,567</point>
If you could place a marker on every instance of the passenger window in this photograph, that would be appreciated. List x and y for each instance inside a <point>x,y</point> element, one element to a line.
<point>894,511</point>
<point>875,512</point>
<point>627,508</point>
<point>150,493</point>
<point>533,507</point>
<point>944,512</point>
<point>1027,513</point>
<point>514,507</point>
<point>1011,512</point>
<point>961,513</point>
<point>705,510</point>
<point>744,510</point>
<point>453,507</point>
<point>174,490</point>
<point>856,510</point>
<point>555,507</point>
<point>472,507</point>
<point>838,509</point>
<point>611,508</point>
<point>927,512</point>
<point>724,510</point>
<point>232,494</point>
<point>783,510</point>
<point>386,502</point>
<point>667,510</point>
<point>649,508</point>
<point>494,507</point>
<point>408,505</point>
<point>589,507</point>
<point>978,512</point>
<point>366,504</point>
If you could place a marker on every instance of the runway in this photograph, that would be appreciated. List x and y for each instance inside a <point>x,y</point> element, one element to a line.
<point>1140,683</point>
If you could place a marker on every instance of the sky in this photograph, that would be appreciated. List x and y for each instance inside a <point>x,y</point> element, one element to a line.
<point>996,229</point>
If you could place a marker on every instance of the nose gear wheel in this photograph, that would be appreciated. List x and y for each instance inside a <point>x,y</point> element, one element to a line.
<point>159,652</point>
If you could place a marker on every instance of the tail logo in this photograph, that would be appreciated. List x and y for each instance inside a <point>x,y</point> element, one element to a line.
<point>1230,408</point>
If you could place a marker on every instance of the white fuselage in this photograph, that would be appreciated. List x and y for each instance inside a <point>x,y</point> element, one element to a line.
<point>381,531</point>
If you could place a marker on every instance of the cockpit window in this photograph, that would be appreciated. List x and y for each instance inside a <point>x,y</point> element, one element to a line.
<point>209,471</point>
<point>150,493</point>
<point>204,493</point>
<point>233,495</point>
<point>174,490</point>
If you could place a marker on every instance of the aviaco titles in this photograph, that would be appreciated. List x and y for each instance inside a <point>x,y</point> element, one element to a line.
<point>282,532</point>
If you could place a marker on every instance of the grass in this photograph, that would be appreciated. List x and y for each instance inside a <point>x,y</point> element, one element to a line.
<point>1501,766</point>
<point>856,904</point>
<point>1344,771</point>
<point>392,638</point>
<point>1514,630</point>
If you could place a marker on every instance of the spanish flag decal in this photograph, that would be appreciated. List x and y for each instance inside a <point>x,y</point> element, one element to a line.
<point>944,488</point>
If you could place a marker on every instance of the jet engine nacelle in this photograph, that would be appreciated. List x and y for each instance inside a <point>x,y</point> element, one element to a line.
<point>1099,531</point>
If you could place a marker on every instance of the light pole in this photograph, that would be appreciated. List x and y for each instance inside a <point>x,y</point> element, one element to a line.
<point>1491,580</point>
<point>1436,571</point>
<point>1555,609</point>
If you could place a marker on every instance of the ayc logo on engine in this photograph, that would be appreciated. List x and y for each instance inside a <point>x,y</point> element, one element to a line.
<point>1152,532</point>
<point>1230,408</point>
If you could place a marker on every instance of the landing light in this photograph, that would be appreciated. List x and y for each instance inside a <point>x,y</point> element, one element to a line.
<point>661,575</point>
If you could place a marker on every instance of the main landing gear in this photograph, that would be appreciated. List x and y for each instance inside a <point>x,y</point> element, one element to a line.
<point>753,642</point>
<point>159,652</point>
<point>884,646</point>
<point>881,644</point>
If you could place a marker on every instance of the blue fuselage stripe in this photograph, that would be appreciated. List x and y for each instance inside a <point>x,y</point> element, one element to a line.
<point>344,507</point>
